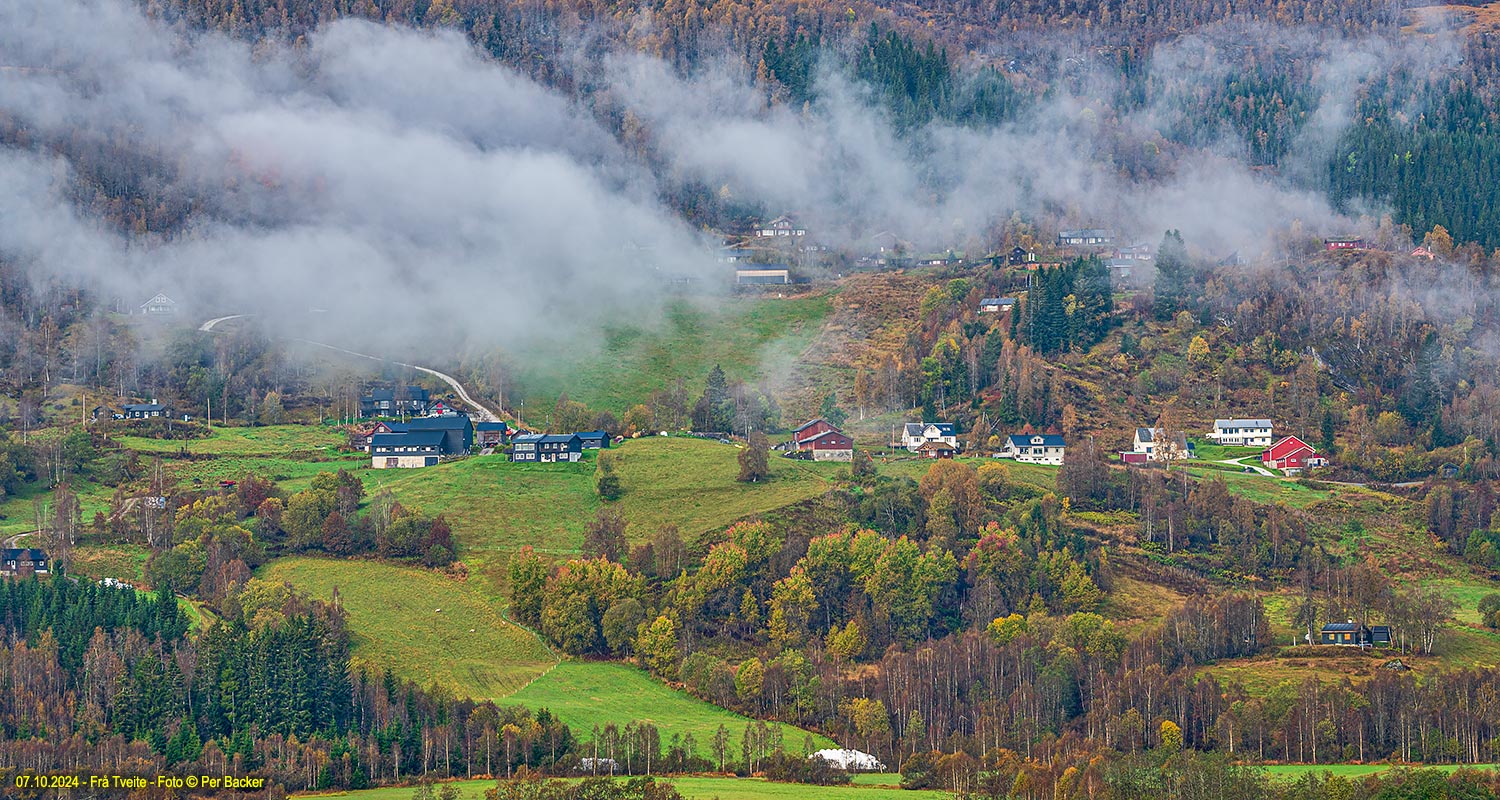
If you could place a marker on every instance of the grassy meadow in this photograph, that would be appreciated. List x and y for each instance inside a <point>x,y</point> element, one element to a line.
<point>588,693</point>
<point>751,338</point>
<point>468,646</point>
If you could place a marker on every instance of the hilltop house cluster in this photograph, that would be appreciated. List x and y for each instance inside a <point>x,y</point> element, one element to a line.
<point>431,431</point>
<point>1289,454</point>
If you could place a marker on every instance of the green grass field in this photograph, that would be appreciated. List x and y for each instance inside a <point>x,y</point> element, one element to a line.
<point>468,646</point>
<point>279,440</point>
<point>496,507</point>
<point>1262,489</point>
<point>865,787</point>
<point>1294,771</point>
<point>584,694</point>
<point>750,338</point>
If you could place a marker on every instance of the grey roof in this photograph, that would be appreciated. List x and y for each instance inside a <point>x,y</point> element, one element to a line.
<point>12,554</point>
<point>1242,423</point>
<point>1145,434</point>
<point>1048,440</point>
<point>144,407</point>
<point>552,438</point>
<point>444,423</point>
<point>490,426</point>
<point>916,428</point>
<point>998,301</point>
<point>527,438</point>
<point>1087,233</point>
<point>1341,627</point>
<point>592,434</point>
<point>413,439</point>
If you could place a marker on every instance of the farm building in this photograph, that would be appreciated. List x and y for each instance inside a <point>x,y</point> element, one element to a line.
<point>490,434</point>
<point>995,305</point>
<point>1242,432</point>
<point>810,429</point>
<point>594,440</point>
<point>457,430</point>
<point>1291,455</point>
<point>937,449</point>
<point>1036,448</point>
<point>23,561</point>
<point>828,446</point>
<point>406,450</point>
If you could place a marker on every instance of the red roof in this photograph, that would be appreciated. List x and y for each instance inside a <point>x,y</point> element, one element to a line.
<point>1286,447</point>
<point>828,440</point>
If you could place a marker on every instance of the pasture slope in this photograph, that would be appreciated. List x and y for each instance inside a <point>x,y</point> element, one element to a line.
<point>865,787</point>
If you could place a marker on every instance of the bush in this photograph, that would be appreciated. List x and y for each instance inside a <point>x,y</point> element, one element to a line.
<point>783,766</point>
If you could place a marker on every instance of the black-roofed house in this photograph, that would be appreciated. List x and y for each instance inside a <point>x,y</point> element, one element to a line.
<point>490,434</point>
<point>546,448</point>
<point>23,561</point>
<point>458,431</point>
<point>996,305</point>
<point>145,410</point>
<point>406,450</point>
<point>594,440</point>
<point>1034,448</point>
<point>387,403</point>
<point>830,445</point>
<point>1019,256</point>
<point>1347,634</point>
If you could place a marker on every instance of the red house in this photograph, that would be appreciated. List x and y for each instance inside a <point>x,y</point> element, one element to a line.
<point>829,445</point>
<point>1291,453</point>
<point>1344,243</point>
<point>810,430</point>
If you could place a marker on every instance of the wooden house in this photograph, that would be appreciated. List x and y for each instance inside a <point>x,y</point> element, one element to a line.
<point>457,430</point>
<point>387,402</point>
<point>490,434</point>
<point>594,440</point>
<point>159,306</point>
<point>1242,432</point>
<point>546,448</point>
<point>996,305</point>
<point>916,434</point>
<point>145,410</point>
<point>783,225</point>
<point>830,445</point>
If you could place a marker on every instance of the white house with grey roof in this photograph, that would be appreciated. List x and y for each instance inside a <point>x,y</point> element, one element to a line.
<point>1242,432</point>
<point>916,434</point>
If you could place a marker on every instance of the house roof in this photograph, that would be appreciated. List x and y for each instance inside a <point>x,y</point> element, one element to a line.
<point>447,423</point>
<point>159,299</point>
<point>491,426</point>
<point>592,434</point>
<point>553,438</point>
<point>15,553</point>
<point>919,428</point>
<point>1145,434</point>
<point>808,424</point>
<point>528,438</point>
<point>998,301</point>
<point>1025,440</point>
<point>1341,627</point>
<point>408,439</point>
<point>144,407</point>
<point>815,440</point>
<point>1087,233</point>
<point>1240,422</point>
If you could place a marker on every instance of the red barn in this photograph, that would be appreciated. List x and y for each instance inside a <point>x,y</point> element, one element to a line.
<point>1344,243</point>
<point>829,445</point>
<point>1291,453</point>
<point>811,430</point>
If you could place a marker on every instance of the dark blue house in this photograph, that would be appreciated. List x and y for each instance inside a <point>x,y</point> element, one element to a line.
<point>594,440</point>
<point>458,431</point>
<point>491,434</point>
<point>385,403</point>
<point>401,450</point>
<point>546,448</point>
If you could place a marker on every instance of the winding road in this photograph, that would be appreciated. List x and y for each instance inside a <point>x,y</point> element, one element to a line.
<point>481,412</point>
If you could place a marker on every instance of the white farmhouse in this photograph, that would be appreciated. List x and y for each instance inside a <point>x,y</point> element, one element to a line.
<point>1036,448</point>
<point>916,434</point>
<point>1242,432</point>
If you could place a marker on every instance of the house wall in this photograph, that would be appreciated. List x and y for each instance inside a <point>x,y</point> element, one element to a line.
<point>833,455</point>
<point>402,461</point>
<point>1040,455</point>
